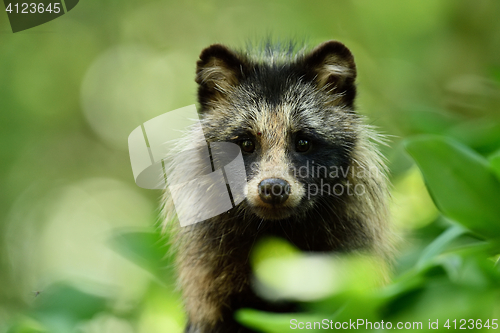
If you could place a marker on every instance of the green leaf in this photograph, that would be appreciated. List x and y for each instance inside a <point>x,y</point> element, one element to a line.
<point>460,182</point>
<point>482,135</point>
<point>439,244</point>
<point>495,163</point>
<point>423,119</point>
<point>495,73</point>
<point>146,249</point>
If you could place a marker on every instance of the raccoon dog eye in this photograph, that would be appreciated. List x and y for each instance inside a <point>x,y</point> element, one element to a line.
<point>302,145</point>
<point>247,146</point>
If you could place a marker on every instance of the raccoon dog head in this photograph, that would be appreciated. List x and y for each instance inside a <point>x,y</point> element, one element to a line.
<point>291,114</point>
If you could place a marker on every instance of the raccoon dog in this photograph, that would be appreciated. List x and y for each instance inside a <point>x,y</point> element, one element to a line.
<point>314,174</point>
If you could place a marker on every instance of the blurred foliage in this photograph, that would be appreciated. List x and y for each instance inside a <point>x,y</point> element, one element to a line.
<point>452,276</point>
<point>79,249</point>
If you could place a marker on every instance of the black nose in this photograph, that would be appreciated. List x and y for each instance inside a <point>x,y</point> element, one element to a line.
<point>274,190</point>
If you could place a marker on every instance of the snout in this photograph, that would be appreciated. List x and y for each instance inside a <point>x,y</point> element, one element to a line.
<point>274,191</point>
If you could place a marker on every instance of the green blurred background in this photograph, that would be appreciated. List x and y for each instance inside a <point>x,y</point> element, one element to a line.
<point>77,236</point>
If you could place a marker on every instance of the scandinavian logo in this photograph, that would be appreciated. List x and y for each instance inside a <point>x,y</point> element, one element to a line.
<point>204,180</point>
<point>25,14</point>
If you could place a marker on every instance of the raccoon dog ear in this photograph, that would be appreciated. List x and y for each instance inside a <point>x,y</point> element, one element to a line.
<point>218,70</point>
<point>332,67</point>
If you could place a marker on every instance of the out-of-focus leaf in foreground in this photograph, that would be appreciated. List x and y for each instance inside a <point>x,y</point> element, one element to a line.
<point>272,322</point>
<point>460,182</point>
<point>27,325</point>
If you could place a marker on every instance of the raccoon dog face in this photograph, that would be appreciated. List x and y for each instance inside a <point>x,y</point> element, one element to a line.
<point>291,114</point>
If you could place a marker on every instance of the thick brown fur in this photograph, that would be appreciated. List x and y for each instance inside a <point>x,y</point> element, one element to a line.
<point>274,98</point>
